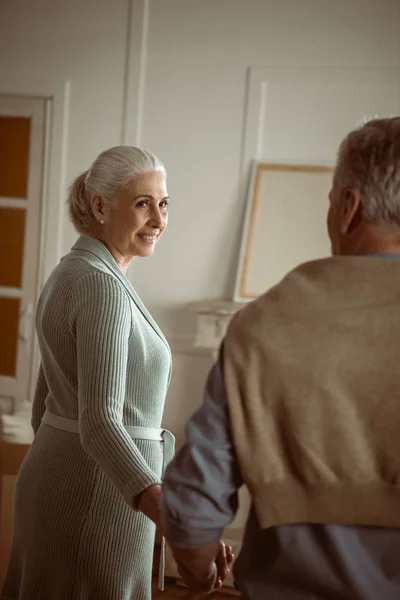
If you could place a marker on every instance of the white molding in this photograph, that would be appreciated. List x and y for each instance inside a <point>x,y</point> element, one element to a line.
<point>56,91</point>
<point>56,162</point>
<point>243,241</point>
<point>135,72</point>
<point>259,78</point>
<point>10,292</point>
<point>261,120</point>
<point>212,318</point>
<point>13,202</point>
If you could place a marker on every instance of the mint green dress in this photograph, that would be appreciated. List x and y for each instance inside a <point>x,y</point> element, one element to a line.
<point>105,363</point>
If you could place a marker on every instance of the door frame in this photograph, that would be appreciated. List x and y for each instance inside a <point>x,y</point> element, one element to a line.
<point>56,94</point>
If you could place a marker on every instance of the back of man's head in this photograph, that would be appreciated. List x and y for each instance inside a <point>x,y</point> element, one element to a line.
<point>365,199</point>
<point>369,160</point>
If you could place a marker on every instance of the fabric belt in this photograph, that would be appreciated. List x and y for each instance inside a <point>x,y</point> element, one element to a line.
<point>136,433</point>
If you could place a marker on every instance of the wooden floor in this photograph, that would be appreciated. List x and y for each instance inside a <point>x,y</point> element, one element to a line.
<point>174,592</point>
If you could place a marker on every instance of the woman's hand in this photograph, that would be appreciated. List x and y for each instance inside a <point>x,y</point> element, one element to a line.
<point>149,503</point>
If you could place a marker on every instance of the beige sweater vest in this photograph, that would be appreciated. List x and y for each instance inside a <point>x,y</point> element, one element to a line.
<point>312,373</point>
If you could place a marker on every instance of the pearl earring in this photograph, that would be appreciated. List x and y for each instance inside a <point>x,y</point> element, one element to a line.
<point>101,222</point>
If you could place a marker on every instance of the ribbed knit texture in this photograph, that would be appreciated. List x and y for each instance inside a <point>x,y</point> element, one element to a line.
<point>106,363</point>
<point>312,375</point>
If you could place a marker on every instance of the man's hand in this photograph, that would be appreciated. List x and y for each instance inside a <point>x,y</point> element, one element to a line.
<point>205,586</point>
<point>223,560</point>
<point>205,569</point>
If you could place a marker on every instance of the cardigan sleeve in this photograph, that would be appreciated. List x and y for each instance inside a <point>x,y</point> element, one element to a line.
<point>39,400</point>
<point>103,325</point>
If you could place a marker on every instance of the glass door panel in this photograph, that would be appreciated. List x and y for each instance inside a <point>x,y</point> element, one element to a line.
<point>14,156</point>
<point>12,237</point>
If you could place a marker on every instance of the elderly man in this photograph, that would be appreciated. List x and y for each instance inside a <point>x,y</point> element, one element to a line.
<point>303,406</point>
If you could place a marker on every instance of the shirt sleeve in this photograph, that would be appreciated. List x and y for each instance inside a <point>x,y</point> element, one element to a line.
<point>200,489</point>
<point>103,326</point>
<point>39,400</point>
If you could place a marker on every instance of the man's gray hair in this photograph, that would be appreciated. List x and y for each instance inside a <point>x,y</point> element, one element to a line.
<point>369,161</point>
<point>112,170</point>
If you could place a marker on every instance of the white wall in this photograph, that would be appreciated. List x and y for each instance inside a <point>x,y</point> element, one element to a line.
<point>194,91</point>
<point>198,54</point>
<point>83,41</point>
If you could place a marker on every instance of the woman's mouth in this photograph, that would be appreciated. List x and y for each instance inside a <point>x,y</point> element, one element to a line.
<point>149,239</point>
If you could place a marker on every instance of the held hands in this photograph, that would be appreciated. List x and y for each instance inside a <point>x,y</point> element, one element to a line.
<point>202,570</point>
<point>212,578</point>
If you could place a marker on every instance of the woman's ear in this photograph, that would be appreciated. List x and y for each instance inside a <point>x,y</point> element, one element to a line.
<point>98,208</point>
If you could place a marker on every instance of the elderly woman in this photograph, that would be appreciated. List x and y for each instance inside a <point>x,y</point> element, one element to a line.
<point>88,494</point>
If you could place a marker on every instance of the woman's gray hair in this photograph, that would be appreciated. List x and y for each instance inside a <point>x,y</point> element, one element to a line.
<point>112,170</point>
<point>369,161</point>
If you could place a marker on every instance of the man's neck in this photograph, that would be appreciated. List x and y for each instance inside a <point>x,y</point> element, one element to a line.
<point>378,248</point>
<point>373,240</point>
<point>373,244</point>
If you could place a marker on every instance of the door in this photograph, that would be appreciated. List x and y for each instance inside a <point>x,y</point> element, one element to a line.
<point>22,156</point>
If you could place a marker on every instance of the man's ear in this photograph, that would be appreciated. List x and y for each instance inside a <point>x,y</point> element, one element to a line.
<point>351,211</point>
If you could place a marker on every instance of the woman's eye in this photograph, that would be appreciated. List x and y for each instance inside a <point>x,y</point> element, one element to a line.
<point>164,204</point>
<point>142,204</point>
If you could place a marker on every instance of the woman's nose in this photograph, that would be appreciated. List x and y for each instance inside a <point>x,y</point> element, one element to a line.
<point>156,219</point>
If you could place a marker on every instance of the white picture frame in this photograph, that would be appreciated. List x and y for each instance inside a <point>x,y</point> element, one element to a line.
<point>285,223</point>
